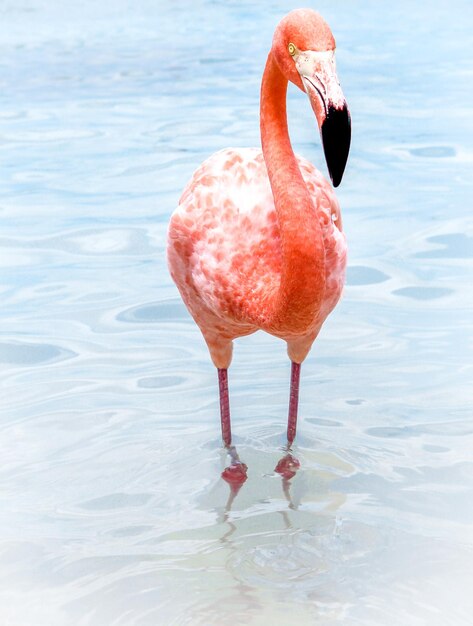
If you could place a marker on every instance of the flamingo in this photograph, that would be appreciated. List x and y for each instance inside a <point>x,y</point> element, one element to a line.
<point>256,242</point>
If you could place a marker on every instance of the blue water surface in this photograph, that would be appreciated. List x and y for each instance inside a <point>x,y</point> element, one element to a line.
<point>112,509</point>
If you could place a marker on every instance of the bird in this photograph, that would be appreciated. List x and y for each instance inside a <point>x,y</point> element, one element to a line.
<point>256,241</point>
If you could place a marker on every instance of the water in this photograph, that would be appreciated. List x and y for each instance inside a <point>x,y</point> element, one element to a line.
<point>112,506</point>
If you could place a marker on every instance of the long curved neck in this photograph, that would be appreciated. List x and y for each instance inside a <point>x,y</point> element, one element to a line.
<point>302,286</point>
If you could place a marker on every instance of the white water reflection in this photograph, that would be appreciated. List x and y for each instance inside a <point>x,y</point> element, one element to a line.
<point>112,506</point>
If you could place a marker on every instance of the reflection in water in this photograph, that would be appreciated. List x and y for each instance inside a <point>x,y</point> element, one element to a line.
<point>277,540</point>
<point>287,467</point>
<point>236,474</point>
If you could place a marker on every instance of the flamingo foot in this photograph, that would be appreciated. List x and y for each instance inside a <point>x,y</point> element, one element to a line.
<point>287,467</point>
<point>236,473</point>
<point>293,402</point>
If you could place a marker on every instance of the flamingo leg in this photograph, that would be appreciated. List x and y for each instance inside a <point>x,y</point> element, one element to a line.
<point>224,407</point>
<point>293,401</point>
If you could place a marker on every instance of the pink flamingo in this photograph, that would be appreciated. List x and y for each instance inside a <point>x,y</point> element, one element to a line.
<point>256,241</point>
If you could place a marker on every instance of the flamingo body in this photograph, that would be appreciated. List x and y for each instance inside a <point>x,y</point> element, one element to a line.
<point>256,241</point>
<point>224,250</point>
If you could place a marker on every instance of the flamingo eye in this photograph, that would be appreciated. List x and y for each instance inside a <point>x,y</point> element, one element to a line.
<point>292,49</point>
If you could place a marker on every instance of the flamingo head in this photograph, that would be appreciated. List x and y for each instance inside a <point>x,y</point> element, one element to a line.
<point>304,49</point>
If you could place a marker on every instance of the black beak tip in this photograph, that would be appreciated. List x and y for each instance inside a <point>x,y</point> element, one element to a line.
<point>336,137</point>
<point>336,181</point>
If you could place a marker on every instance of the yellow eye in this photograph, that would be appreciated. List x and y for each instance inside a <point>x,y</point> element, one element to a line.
<point>292,49</point>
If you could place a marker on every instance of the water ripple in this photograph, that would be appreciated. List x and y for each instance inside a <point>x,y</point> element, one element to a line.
<point>24,354</point>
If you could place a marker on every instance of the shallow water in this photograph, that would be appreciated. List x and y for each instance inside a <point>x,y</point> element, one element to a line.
<point>112,506</point>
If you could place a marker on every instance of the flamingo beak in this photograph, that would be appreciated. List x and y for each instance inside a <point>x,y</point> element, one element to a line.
<point>336,136</point>
<point>320,81</point>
